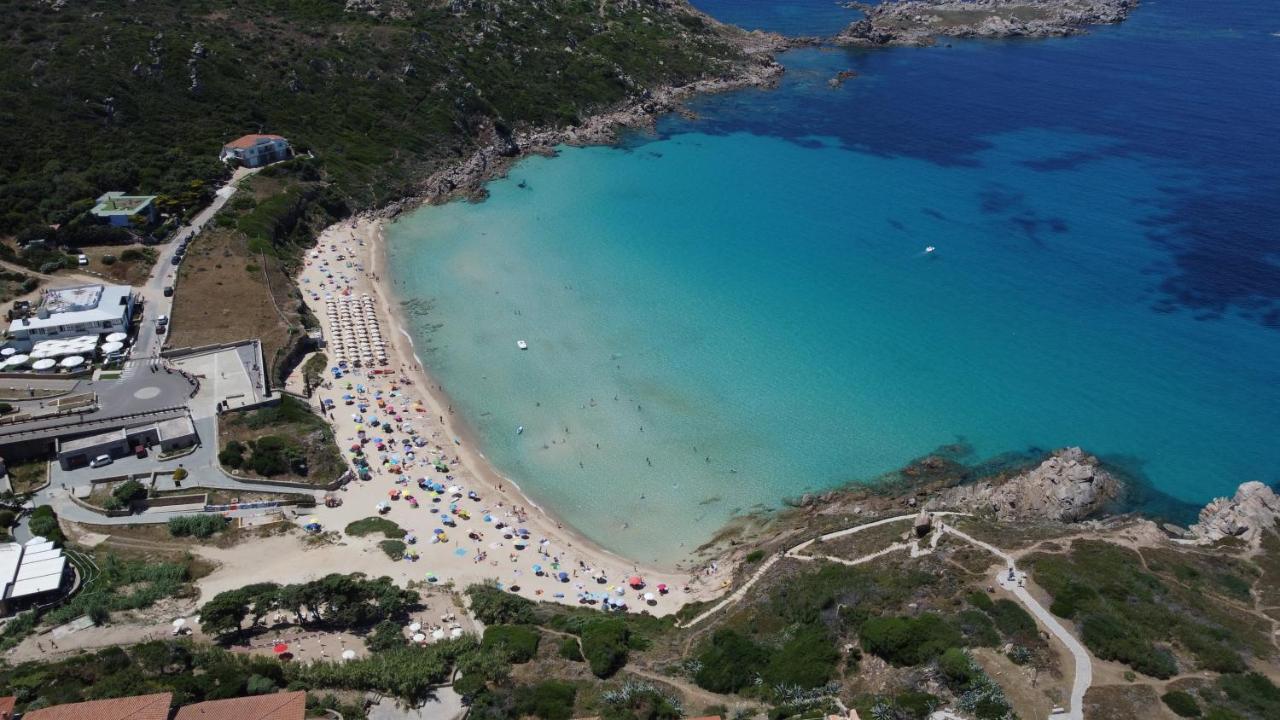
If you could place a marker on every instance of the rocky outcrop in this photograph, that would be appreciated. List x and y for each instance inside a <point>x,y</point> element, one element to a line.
<point>1069,486</point>
<point>1253,510</point>
<point>921,22</point>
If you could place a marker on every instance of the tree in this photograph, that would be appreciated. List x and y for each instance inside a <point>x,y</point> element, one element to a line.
<point>129,491</point>
<point>550,700</point>
<point>386,635</point>
<point>908,641</point>
<point>518,642</point>
<point>492,606</point>
<point>224,613</point>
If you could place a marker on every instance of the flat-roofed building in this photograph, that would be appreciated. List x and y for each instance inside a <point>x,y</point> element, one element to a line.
<point>31,573</point>
<point>276,706</point>
<point>120,210</point>
<point>75,311</point>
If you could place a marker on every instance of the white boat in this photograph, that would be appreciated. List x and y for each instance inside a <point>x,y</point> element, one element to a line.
<point>522,345</point>
<point>930,249</point>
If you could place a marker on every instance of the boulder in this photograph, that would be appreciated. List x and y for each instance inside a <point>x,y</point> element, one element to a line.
<point>1069,486</point>
<point>1253,510</point>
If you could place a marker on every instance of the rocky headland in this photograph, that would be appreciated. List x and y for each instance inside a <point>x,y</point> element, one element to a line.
<point>922,22</point>
<point>1254,509</point>
<point>1069,486</point>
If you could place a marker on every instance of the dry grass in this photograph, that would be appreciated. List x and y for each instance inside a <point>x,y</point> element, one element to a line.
<point>224,295</point>
<point>125,272</point>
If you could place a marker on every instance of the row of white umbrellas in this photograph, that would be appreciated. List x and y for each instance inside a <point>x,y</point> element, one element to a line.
<point>354,331</point>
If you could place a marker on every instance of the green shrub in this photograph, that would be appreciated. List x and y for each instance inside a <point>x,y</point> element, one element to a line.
<point>569,649</point>
<point>518,642</point>
<point>1112,639</point>
<point>180,474</point>
<point>604,643</point>
<point>549,700</point>
<point>754,556</point>
<point>956,666</point>
<point>1254,692</point>
<point>232,455</point>
<point>129,491</point>
<point>198,526</point>
<point>374,524</point>
<point>729,662</point>
<point>1013,622</point>
<point>44,523</point>
<point>386,635</point>
<point>807,660</point>
<point>7,518</point>
<point>1182,703</point>
<point>977,628</point>
<point>908,641</point>
<point>493,606</point>
<point>393,548</point>
<point>108,259</point>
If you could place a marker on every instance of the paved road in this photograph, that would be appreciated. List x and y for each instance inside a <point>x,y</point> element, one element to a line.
<point>147,344</point>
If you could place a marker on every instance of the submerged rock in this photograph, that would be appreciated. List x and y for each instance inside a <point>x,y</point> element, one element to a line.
<point>1069,486</point>
<point>1253,510</point>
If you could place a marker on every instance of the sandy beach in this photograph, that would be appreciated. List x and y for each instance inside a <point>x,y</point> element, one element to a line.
<point>481,527</point>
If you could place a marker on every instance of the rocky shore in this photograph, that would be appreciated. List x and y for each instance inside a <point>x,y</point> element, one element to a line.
<point>922,22</point>
<point>1069,486</point>
<point>499,150</point>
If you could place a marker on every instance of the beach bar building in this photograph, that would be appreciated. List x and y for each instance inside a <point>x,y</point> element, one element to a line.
<point>73,312</point>
<point>256,150</point>
<point>32,573</point>
<point>120,210</point>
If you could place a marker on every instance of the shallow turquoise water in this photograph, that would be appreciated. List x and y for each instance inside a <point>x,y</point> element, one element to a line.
<point>739,309</point>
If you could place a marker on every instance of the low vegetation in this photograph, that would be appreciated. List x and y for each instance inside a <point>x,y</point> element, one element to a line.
<point>197,526</point>
<point>373,525</point>
<point>1140,615</point>
<point>283,441</point>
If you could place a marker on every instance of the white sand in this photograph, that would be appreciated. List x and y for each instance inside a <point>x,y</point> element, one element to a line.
<point>552,544</point>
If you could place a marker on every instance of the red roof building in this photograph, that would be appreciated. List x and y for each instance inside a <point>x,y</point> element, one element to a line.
<point>277,706</point>
<point>256,150</point>
<point>140,707</point>
<point>6,707</point>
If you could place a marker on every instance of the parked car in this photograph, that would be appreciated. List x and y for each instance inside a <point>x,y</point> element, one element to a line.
<point>100,461</point>
<point>82,259</point>
<point>162,320</point>
<point>140,451</point>
<point>168,291</point>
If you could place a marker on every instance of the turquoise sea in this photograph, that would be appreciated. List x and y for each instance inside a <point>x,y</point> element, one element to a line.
<point>738,308</point>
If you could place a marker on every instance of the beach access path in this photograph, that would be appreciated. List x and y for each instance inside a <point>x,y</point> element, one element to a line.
<point>1008,578</point>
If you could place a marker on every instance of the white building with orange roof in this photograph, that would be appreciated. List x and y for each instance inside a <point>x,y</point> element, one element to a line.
<point>256,150</point>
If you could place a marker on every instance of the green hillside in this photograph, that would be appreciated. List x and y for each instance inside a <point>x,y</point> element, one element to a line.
<point>139,95</point>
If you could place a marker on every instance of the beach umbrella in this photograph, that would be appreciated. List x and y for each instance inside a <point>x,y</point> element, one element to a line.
<point>431,577</point>
<point>415,627</point>
<point>648,597</point>
<point>179,623</point>
<point>635,581</point>
<point>112,347</point>
<point>662,588</point>
<point>6,352</point>
<point>419,637</point>
<point>455,633</point>
<point>437,634</point>
<point>72,361</point>
<point>348,654</point>
<point>44,364</point>
<point>280,648</point>
<point>117,337</point>
<point>564,577</point>
<point>537,569</point>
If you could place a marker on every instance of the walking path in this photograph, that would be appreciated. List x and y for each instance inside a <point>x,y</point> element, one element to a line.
<point>1010,578</point>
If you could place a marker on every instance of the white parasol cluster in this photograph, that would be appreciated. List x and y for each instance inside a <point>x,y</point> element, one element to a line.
<point>354,334</point>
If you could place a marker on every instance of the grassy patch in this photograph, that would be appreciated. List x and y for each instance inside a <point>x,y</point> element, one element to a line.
<point>372,525</point>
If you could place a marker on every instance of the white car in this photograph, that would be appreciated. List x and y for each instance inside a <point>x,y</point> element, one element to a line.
<point>82,259</point>
<point>100,461</point>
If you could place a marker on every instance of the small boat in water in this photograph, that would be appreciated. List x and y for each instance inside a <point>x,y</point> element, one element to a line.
<point>520,430</point>
<point>930,249</point>
<point>522,345</point>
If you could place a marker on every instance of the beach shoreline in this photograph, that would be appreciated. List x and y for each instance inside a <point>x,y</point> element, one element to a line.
<point>360,243</point>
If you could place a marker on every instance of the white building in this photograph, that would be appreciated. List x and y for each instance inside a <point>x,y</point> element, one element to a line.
<point>256,150</point>
<point>75,311</point>
<point>31,573</point>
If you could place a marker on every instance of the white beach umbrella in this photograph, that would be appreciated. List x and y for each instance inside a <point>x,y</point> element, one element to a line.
<point>112,347</point>
<point>415,627</point>
<point>6,352</point>
<point>72,361</point>
<point>419,637</point>
<point>44,364</point>
<point>348,654</point>
<point>179,622</point>
<point>117,337</point>
<point>437,634</point>
<point>456,632</point>
<point>16,360</point>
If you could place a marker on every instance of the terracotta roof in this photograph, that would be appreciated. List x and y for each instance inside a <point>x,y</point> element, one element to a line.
<point>278,706</point>
<point>249,141</point>
<point>139,707</point>
<point>6,707</point>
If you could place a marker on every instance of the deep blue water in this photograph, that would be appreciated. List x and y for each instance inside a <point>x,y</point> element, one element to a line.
<point>751,287</point>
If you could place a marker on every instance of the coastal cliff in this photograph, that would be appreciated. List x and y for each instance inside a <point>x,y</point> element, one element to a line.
<point>922,22</point>
<point>1069,486</point>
